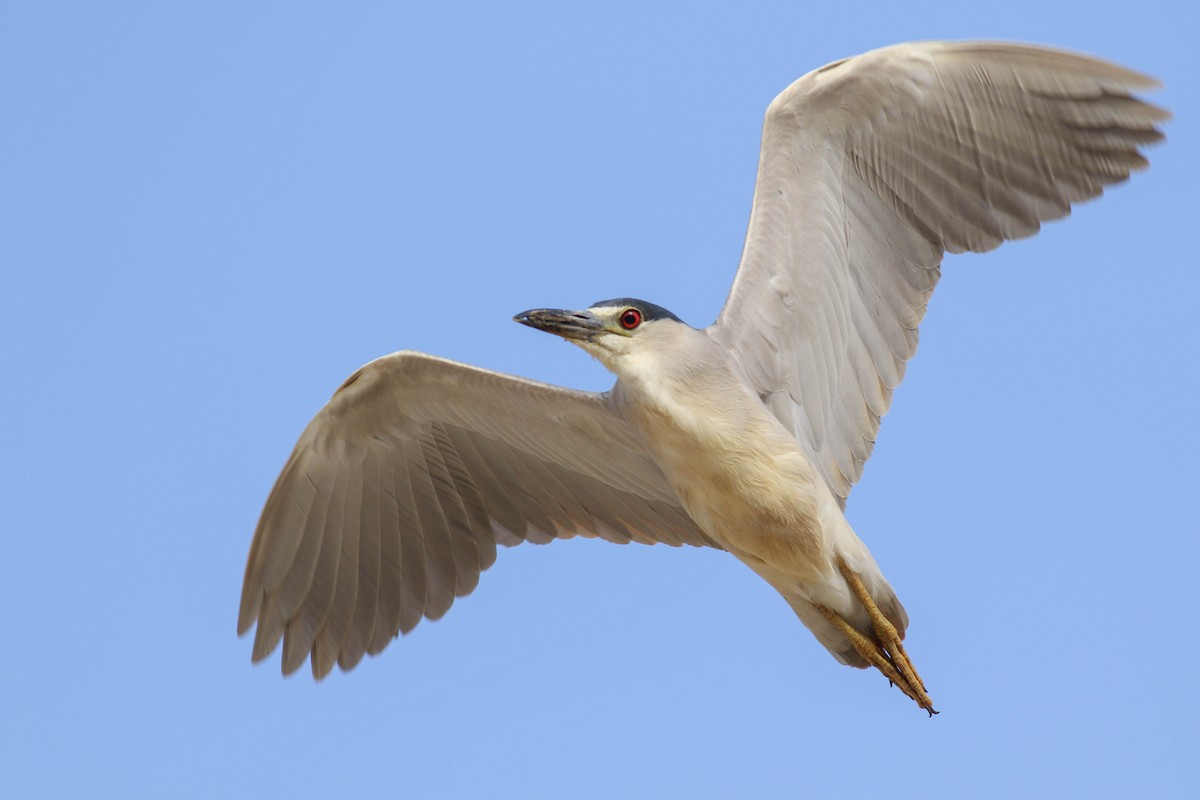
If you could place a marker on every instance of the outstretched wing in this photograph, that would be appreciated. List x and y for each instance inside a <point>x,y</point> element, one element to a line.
<point>871,168</point>
<point>400,488</point>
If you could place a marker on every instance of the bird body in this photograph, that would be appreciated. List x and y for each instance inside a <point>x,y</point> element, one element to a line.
<point>741,475</point>
<point>745,436</point>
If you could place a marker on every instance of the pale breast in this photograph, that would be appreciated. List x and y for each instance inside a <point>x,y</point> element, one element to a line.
<point>745,484</point>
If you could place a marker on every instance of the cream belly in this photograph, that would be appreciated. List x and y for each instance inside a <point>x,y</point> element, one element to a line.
<point>745,483</point>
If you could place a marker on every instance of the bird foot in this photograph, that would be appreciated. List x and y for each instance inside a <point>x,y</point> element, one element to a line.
<point>883,650</point>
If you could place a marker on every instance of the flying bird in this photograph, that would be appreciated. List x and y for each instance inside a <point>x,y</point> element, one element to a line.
<point>745,436</point>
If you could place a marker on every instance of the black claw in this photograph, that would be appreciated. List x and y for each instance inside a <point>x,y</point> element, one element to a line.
<point>932,712</point>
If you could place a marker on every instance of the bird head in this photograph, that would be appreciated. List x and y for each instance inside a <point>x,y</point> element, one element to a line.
<point>614,331</point>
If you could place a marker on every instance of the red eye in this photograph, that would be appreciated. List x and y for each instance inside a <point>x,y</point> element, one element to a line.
<point>631,318</point>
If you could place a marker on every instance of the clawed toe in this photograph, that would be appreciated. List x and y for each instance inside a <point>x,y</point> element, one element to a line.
<point>884,650</point>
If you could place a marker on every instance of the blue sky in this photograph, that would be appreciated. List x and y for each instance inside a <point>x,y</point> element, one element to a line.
<point>210,214</point>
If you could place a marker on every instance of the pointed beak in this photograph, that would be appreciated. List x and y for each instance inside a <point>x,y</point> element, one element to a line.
<point>580,325</point>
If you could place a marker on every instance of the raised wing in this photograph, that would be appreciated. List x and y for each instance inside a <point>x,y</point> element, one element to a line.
<point>400,488</point>
<point>871,168</point>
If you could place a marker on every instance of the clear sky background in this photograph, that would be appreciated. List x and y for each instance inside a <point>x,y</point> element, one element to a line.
<point>210,214</point>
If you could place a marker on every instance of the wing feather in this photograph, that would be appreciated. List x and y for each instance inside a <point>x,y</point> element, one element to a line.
<point>414,577</point>
<point>393,586</point>
<point>344,600</point>
<point>437,515</point>
<point>308,592</point>
<point>370,557</point>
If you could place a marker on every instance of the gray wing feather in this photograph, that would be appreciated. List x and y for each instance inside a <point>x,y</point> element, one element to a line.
<point>398,492</point>
<point>361,623</point>
<point>871,169</point>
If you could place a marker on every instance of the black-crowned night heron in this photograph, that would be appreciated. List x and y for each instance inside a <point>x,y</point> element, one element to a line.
<point>745,436</point>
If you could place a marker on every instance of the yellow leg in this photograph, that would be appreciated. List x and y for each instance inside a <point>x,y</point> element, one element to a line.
<point>885,652</point>
<point>871,651</point>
